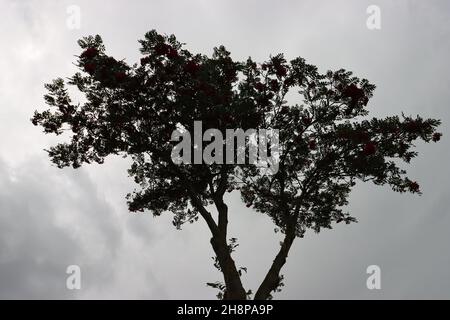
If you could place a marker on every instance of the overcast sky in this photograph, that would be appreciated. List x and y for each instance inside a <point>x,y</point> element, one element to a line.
<point>52,218</point>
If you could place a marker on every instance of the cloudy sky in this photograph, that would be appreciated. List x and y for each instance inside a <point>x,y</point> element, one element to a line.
<point>52,218</point>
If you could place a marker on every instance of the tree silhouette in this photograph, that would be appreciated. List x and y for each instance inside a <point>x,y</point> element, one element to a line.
<point>326,142</point>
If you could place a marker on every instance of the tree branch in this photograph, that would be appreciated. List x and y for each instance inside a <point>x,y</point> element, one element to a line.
<point>272,279</point>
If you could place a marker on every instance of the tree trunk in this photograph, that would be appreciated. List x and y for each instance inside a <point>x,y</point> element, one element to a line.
<point>272,279</point>
<point>234,289</point>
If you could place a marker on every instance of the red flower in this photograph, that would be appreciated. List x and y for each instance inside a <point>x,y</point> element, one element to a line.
<point>120,76</point>
<point>206,88</point>
<point>191,67</point>
<point>343,135</point>
<point>281,71</point>
<point>354,93</point>
<point>89,53</point>
<point>289,82</point>
<point>361,136</point>
<point>172,53</point>
<point>306,120</point>
<point>312,145</point>
<point>414,186</point>
<point>89,67</point>
<point>259,86</point>
<point>395,131</point>
<point>369,148</point>
<point>162,48</point>
<point>413,127</point>
<point>274,85</point>
<point>230,74</point>
<point>145,60</point>
<point>437,136</point>
<point>264,101</point>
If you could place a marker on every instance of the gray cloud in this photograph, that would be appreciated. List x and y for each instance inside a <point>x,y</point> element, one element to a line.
<point>44,228</point>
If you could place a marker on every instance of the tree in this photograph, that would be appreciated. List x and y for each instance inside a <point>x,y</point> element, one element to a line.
<point>326,143</point>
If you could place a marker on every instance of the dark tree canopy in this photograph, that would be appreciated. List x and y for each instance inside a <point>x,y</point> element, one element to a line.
<point>327,142</point>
